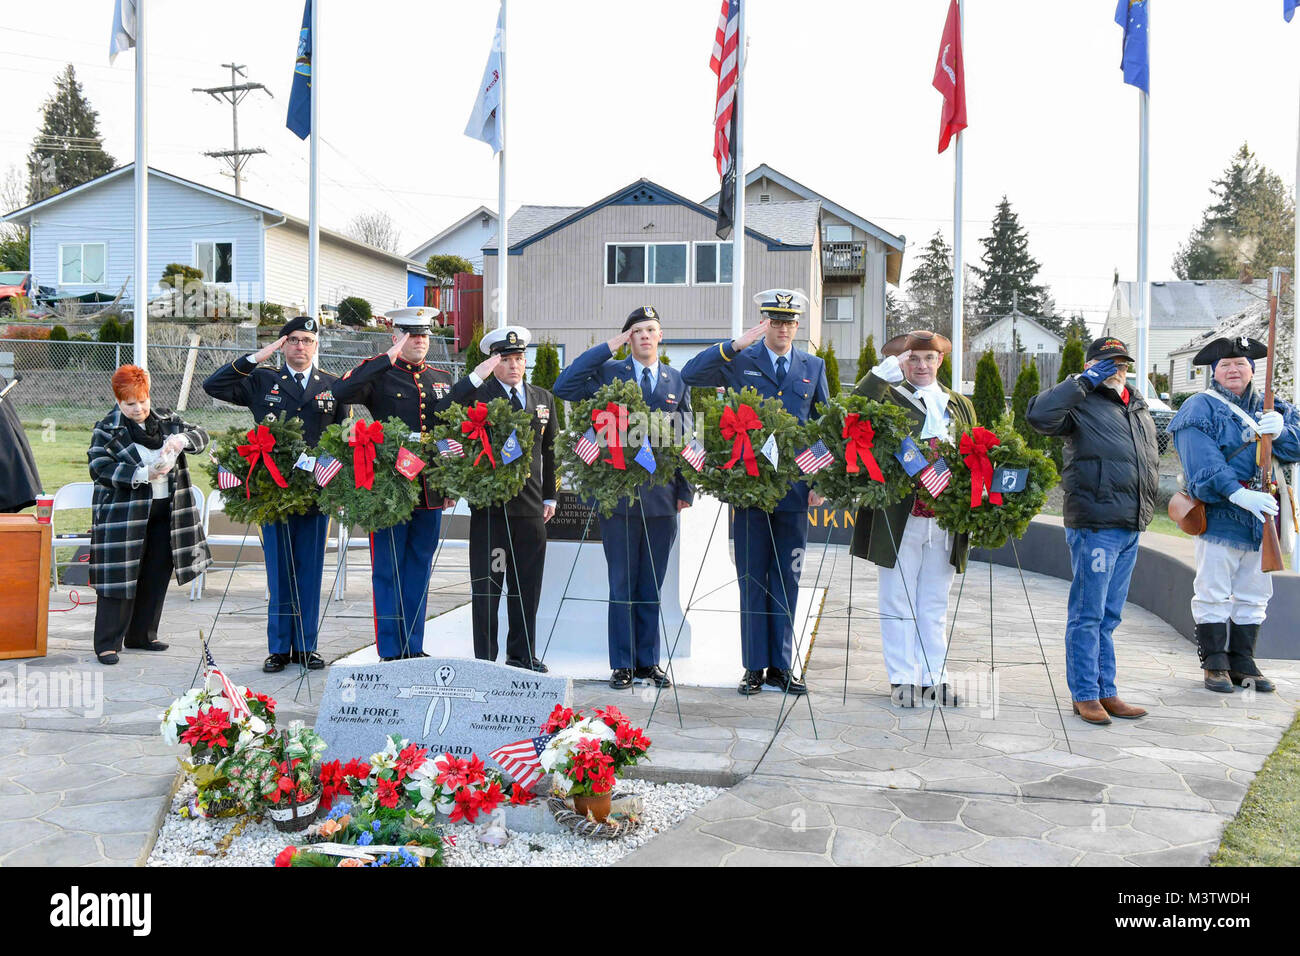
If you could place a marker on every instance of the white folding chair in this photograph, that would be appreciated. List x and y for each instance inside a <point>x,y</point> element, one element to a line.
<point>76,496</point>
<point>342,543</point>
<point>246,539</point>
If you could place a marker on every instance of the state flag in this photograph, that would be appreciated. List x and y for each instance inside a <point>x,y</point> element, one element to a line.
<point>511,451</point>
<point>646,456</point>
<point>910,457</point>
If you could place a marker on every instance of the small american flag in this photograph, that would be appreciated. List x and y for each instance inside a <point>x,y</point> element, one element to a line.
<point>227,478</point>
<point>523,759</point>
<point>450,448</point>
<point>586,447</point>
<point>935,477</point>
<point>814,459</point>
<point>238,702</point>
<point>694,454</point>
<point>327,466</point>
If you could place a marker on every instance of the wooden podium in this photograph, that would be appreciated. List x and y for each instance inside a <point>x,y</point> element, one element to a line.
<point>24,585</point>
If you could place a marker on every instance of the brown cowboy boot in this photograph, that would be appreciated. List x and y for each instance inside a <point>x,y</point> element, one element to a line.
<point>1091,711</point>
<point>1117,708</point>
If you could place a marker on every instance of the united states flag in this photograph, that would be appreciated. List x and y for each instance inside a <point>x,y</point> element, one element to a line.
<point>586,447</point>
<point>814,459</point>
<point>450,448</point>
<point>725,62</point>
<point>523,759</point>
<point>227,478</point>
<point>238,702</point>
<point>327,466</point>
<point>935,477</point>
<point>694,454</point>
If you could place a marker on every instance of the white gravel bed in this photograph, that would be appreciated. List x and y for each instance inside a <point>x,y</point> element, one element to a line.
<point>186,842</point>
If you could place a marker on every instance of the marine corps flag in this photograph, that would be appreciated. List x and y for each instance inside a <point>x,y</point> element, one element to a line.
<point>950,78</point>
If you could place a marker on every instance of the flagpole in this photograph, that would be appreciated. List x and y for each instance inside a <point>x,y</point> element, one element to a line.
<point>737,160</point>
<point>503,241</point>
<point>1144,212</point>
<point>313,189</point>
<point>958,314</point>
<point>140,335</point>
<point>1295,340</point>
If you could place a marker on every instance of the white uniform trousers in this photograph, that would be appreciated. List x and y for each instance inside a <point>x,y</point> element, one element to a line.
<point>1229,585</point>
<point>914,605</point>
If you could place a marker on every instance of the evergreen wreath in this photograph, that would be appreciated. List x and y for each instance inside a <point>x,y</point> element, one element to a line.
<point>258,499</point>
<point>990,525</point>
<point>392,497</point>
<point>601,480</point>
<point>471,476</point>
<point>735,485</point>
<point>834,482</point>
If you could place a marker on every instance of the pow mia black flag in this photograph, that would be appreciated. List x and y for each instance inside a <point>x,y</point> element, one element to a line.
<point>727,197</point>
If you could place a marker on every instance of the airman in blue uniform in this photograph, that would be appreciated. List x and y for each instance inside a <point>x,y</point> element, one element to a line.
<point>639,535</point>
<point>769,547</point>
<point>294,549</point>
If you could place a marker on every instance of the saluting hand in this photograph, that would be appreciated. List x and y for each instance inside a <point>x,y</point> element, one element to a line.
<point>751,336</point>
<point>266,352</point>
<point>484,368</point>
<point>618,341</point>
<point>398,345</point>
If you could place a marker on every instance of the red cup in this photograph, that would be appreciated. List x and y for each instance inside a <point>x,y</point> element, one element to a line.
<point>44,508</point>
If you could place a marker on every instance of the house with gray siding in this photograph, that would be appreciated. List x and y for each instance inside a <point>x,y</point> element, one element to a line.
<point>465,237</point>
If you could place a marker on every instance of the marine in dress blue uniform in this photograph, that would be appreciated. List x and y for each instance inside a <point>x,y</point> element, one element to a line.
<point>401,383</point>
<point>294,549</point>
<point>769,546</point>
<point>639,535</point>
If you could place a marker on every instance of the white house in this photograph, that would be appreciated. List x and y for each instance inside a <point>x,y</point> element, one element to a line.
<point>1252,322</point>
<point>466,238</point>
<point>1002,334</point>
<point>83,241</point>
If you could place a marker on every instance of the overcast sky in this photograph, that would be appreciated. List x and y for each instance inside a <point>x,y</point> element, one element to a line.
<point>838,96</point>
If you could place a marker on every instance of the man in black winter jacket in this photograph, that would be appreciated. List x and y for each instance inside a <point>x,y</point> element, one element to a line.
<point>1110,480</point>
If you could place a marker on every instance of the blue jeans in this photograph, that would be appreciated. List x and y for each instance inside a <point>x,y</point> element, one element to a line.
<point>1102,561</point>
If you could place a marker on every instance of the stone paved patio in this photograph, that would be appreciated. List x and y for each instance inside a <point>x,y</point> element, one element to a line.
<point>996,783</point>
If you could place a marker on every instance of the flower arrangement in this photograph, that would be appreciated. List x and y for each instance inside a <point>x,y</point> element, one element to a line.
<point>261,459</point>
<point>869,433</point>
<point>369,492</point>
<point>615,473</point>
<point>399,841</point>
<point>736,427</point>
<point>480,475</point>
<point>587,753</point>
<point>277,771</point>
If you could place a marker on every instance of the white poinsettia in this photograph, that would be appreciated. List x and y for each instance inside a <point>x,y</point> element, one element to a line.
<point>174,717</point>
<point>561,783</point>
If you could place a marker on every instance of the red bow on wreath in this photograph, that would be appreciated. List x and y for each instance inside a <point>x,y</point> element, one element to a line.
<point>363,441</point>
<point>974,449</point>
<point>861,435</point>
<point>612,422</point>
<point>260,443</point>
<point>475,426</point>
<point>736,424</point>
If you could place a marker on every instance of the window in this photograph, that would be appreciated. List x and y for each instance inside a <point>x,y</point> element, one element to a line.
<point>713,263</point>
<point>216,259</point>
<point>651,263</point>
<point>836,233</point>
<point>837,308</point>
<point>82,263</point>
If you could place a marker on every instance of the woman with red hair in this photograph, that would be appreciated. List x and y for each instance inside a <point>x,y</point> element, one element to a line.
<point>145,518</point>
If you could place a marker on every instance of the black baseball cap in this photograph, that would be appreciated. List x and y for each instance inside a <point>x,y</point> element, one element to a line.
<point>1108,347</point>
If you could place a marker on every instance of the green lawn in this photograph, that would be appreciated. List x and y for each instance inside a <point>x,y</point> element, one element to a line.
<point>1266,831</point>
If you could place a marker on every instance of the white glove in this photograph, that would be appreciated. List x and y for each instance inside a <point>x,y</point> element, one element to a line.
<point>176,444</point>
<point>1262,506</point>
<point>889,370</point>
<point>1271,423</point>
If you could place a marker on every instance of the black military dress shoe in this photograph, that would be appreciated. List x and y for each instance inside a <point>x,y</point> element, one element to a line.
<point>751,683</point>
<point>275,663</point>
<point>313,660</point>
<point>785,681</point>
<point>621,679</point>
<point>654,674</point>
<point>946,696</point>
<point>538,666</point>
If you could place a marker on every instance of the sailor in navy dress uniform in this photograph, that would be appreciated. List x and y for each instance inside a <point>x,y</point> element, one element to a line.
<point>507,544</point>
<point>765,359</point>
<point>639,535</point>
<point>295,548</point>
<point>401,383</point>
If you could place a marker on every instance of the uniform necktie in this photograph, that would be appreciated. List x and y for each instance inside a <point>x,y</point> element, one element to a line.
<point>780,369</point>
<point>298,377</point>
<point>647,387</point>
<point>515,400</point>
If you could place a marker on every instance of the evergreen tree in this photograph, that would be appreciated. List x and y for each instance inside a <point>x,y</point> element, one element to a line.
<point>1077,328</point>
<point>546,369</point>
<point>1071,358</point>
<point>832,369</point>
<point>1249,224</point>
<point>945,373</point>
<point>1007,276</point>
<point>473,354</point>
<point>1026,388</point>
<point>929,288</point>
<point>68,150</point>
<point>867,359</point>
<point>990,394</point>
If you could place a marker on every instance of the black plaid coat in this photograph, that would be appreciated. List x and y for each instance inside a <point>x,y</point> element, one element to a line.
<point>120,509</point>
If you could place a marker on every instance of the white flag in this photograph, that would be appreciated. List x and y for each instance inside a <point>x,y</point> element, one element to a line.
<point>485,121</point>
<point>769,450</point>
<point>123,37</point>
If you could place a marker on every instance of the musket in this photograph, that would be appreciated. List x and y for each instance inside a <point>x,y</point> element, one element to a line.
<point>1270,551</point>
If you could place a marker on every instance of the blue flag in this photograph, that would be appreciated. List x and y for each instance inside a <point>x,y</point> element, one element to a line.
<point>1136,60</point>
<point>910,457</point>
<point>299,120</point>
<point>1288,8</point>
<point>511,450</point>
<point>645,457</point>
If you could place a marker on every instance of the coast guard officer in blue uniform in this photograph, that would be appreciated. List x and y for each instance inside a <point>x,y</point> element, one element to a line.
<point>765,359</point>
<point>639,535</point>
<point>400,383</point>
<point>294,549</point>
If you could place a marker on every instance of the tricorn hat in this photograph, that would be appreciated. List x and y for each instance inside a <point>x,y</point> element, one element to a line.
<point>919,339</point>
<point>1240,347</point>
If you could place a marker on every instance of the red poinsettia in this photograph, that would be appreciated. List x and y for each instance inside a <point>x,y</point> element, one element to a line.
<point>263,699</point>
<point>332,784</point>
<point>386,793</point>
<point>611,715</point>
<point>589,761</point>
<point>286,782</point>
<point>285,856</point>
<point>521,795</point>
<point>475,772</point>
<point>409,760</point>
<point>492,796</point>
<point>603,782</point>
<point>452,772</point>
<point>630,738</point>
<point>560,718</point>
<point>467,803</point>
<point>208,727</point>
<point>356,769</point>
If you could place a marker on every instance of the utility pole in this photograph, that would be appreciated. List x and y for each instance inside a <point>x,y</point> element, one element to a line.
<point>234,94</point>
